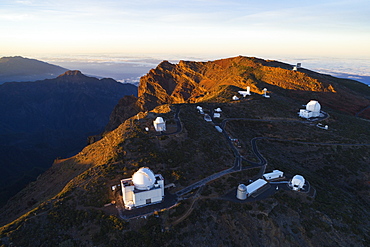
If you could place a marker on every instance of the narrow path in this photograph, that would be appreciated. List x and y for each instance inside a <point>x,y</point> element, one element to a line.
<point>190,210</point>
<point>358,113</point>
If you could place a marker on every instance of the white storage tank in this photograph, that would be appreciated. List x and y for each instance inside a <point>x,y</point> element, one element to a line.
<point>241,192</point>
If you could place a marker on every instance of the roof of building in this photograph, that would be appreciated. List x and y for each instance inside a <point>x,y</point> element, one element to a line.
<point>159,120</point>
<point>298,180</point>
<point>255,185</point>
<point>242,187</point>
<point>143,179</point>
<point>273,173</point>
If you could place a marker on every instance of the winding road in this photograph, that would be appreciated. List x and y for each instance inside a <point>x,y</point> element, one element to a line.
<point>237,165</point>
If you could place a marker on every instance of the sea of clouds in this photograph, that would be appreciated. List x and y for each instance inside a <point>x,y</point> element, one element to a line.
<point>129,69</point>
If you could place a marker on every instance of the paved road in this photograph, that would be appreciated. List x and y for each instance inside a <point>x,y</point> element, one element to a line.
<point>237,165</point>
<point>358,113</point>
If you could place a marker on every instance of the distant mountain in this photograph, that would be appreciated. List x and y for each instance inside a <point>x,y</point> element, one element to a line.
<point>43,120</point>
<point>25,69</point>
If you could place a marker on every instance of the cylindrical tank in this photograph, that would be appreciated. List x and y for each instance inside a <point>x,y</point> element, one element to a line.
<point>241,192</point>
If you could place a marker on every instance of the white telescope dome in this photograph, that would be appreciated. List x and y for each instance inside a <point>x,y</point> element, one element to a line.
<point>313,106</point>
<point>159,120</point>
<point>143,179</point>
<point>242,187</point>
<point>297,182</point>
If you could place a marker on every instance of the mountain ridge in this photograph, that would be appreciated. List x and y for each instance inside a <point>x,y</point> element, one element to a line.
<point>70,203</point>
<point>191,82</point>
<point>18,68</point>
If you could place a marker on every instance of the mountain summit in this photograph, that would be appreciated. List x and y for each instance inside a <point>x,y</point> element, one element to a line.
<point>25,69</point>
<point>192,82</point>
<point>73,73</point>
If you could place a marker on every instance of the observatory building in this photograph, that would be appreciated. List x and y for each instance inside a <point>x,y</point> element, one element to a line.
<point>200,109</point>
<point>241,192</point>
<point>312,110</point>
<point>273,175</point>
<point>159,124</point>
<point>245,93</point>
<point>296,67</point>
<point>264,94</point>
<point>142,189</point>
<point>246,191</point>
<point>297,182</point>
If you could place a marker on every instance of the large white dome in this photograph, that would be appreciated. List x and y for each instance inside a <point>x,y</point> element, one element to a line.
<point>313,106</point>
<point>297,182</point>
<point>143,179</point>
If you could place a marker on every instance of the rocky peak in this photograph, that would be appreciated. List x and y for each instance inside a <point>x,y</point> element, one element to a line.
<point>191,82</point>
<point>71,73</point>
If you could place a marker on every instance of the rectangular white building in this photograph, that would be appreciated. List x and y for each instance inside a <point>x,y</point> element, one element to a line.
<point>256,185</point>
<point>273,175</point>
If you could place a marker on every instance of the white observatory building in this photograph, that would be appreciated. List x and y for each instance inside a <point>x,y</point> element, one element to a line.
<point>159,124</point>
<point>264,93</point>
<point>275,174</point>
<point>241,192</point>
<point>245,93</point>
<point>313,109</point>
<point>297,182</point>
<point>142,189</point>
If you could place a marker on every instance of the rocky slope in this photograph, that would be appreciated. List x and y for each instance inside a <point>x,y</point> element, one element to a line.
<point>52,118</point>
<point>65,206</point>
<point>26,69</point>
<point>200,81</point>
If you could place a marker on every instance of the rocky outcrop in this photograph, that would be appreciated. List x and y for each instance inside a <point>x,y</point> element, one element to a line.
<point>191,82</point>
<point>127,107</point>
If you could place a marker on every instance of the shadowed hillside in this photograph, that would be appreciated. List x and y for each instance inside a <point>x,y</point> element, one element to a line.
<point>69,204</point>
<point>43,120</point>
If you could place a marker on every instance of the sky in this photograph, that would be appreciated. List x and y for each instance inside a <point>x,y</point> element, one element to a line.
<point>214,28</point>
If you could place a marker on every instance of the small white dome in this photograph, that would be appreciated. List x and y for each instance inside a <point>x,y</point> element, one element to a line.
<point>143,179</point>
<point>313,106</point>
<point>159,120</point>
<point>242,187</point>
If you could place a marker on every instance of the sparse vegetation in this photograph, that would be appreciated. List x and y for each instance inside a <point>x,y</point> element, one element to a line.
<point>74,214</point>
